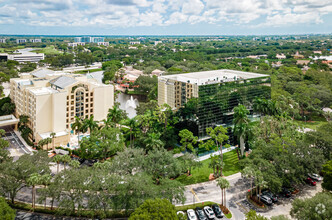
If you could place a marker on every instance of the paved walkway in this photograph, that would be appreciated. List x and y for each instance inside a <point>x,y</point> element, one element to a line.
<point>205,157</point>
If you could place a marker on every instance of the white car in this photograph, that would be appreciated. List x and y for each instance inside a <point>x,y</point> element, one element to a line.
<point>315,176</point>
<point>191,214</point>
<point>209,212</point>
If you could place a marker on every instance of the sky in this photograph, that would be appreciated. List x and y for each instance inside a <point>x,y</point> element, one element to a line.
<point>165,17</point>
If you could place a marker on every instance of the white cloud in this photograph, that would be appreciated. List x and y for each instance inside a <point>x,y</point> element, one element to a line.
<point>130,13</point>
<point>192,7</point>
<point>176,18</point>
<point>291,18</point>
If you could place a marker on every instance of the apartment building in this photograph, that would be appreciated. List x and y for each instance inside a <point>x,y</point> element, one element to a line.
<point>53,99</point>
<point>217,93</point>
<point>3,40</point>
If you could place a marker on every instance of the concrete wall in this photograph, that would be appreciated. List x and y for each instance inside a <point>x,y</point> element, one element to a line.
<point>59,111</point>
<point>103,100</point>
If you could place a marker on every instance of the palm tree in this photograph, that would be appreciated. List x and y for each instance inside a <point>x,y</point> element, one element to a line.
<point>241,122</point>
<point>218,137</point>
<point>23,121</point>
<point>65,159</point>
<point>260,183</point>
<point>78,126</point>
<point>53,136</point>
<point>249,172</point>
<point>75,164</point>
<point>153,141</point>
<point>45,180</point>
<point>115,114</point>
<point>34,180</point>
<point>132,124</point>
<point>90,123</point>
<point>57,159</point>
<point>223,184</point>
<point>48,141</point>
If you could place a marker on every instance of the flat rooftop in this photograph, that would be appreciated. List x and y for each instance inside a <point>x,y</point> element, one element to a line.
<point>43,91</point>
<point>213,76</point>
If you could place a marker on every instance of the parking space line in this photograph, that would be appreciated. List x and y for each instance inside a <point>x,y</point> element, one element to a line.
<point>193,192</point>
<point>245,210</point>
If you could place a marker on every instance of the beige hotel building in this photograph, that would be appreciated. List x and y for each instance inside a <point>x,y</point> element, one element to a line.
<point>53,99</point>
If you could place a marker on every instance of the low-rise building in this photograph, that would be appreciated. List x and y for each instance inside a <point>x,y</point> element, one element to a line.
<point>21,41</point>
<point>3,40</point>
<point>35,40</point>
<point>157,42</point>
<point>281,56</point>
<point>23,56</point>
<point>134,42</point>
<point>103,44</point>
<point>53,99</point>
<point>302,62</point>
<point>297,55</point>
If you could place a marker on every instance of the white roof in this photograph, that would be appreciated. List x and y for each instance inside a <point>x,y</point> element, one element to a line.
<point>214,76</point>
<point>57,134</point>
<point>43,91</point>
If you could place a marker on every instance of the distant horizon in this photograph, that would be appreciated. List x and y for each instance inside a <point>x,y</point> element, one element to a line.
<point>164,35</point>
<point>165,17</point>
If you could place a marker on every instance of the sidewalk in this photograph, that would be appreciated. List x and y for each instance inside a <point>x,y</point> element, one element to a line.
<point>205,157</point>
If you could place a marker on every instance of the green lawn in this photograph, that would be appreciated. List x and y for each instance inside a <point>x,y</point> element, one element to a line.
<point>312,124</point>
<point>47,50</point>
<point>202,173</point>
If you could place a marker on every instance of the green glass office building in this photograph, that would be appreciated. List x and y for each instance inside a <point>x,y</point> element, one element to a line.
<point>216,92</point>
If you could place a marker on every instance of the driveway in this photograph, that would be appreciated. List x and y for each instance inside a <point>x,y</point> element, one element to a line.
<point>209,191</point>
<point>236,196</point>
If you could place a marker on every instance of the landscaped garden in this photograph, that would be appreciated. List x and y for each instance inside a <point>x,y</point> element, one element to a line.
<point>202,173</point>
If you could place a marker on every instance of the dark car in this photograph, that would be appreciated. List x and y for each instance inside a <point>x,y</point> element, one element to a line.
<point>269,194</point>
<point>217,211</point>
<point>200,213</point>
<point>286,192</point>
<point>265,199</point>
<point>310,181</point>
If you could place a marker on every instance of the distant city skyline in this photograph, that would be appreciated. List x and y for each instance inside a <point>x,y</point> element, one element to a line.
<point>161,17</point>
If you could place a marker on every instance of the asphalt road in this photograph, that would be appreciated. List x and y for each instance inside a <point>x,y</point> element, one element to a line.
<point>16,147</point>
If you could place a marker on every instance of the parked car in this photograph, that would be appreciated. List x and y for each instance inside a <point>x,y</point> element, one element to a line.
<point>310,181</point>
<point>217,211</point>
<point>269,194</point>
<point>265,199</point>
<point>200,213</point>
<point>285,192</point>
<point>209,212</point>
<point>315,176</point>
<point>191,214</point>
